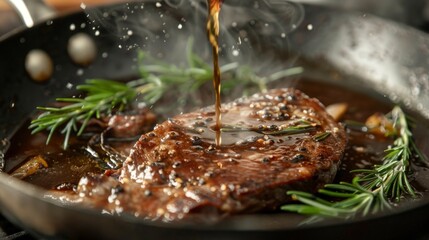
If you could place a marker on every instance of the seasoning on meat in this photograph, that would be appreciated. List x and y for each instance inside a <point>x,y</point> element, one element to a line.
<point>268,147</point>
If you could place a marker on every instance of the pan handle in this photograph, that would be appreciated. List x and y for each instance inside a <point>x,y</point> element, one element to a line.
<point>31,11</point>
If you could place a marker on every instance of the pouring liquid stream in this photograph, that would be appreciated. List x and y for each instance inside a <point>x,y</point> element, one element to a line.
<point>213,34</point>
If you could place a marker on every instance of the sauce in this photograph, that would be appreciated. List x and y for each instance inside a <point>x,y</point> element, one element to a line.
<point>362,151</point>
<point>213,33</point>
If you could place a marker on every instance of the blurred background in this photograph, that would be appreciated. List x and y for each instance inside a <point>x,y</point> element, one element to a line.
<point>411,12</point>
<point>10,20</point>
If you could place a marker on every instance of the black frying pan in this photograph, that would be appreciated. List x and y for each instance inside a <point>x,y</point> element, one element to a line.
<point>362,52</point>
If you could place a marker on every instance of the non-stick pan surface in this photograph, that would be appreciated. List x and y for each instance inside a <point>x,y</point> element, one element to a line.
<point>361,51</point>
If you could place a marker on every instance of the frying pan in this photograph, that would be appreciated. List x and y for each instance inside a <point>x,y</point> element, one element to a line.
<point>357,50</point>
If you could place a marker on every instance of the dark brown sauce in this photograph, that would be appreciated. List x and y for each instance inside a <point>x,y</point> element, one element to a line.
<point>65,167</point>
<point>363,149</point>
<point>213,34</point>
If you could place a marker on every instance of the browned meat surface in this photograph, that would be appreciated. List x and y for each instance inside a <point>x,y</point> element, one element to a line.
<point>269,145</point>
<point>131,124</point>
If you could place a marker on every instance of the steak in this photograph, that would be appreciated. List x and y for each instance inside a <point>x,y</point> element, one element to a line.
<point>271,142</point>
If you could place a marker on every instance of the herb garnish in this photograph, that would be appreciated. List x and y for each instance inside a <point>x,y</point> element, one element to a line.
<point>293,127</point>
<point>321,136</point>
<point>104,97</point>
<point>372,189</point>
<point>302,128</point>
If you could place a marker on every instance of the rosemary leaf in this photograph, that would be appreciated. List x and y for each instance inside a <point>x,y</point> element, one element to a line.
<point>321,136</point>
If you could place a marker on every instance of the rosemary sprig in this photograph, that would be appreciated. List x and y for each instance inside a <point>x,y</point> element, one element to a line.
<point>371,191</point>
<point>295,127</point>
<point>392,174</point>
<point>156,79</point>
<point>102,97</point>
<point>356,199</point>
<point>302,128</point>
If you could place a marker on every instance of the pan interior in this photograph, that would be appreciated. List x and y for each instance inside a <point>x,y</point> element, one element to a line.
<point>273,46</point>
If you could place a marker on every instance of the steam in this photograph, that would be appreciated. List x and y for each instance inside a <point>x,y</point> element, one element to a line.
<point>254,33</point>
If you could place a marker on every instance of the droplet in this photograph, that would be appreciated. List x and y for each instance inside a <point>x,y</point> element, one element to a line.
<point>82,5</point>
<point>235,52</point>
<point>179,26</point>
<point>97,33</point>
<point>130,32</point>
<point>39,65</point>
<point>104,55</point>
<point>310,27</point>
<point>158,4</point>
<point>79,72</point>
<point>283,35</point>
<point>82,49</point>
<point>72,27</point>
<point>415,91</point>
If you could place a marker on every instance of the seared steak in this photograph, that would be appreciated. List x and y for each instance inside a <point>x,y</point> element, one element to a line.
<point>271,142</point>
